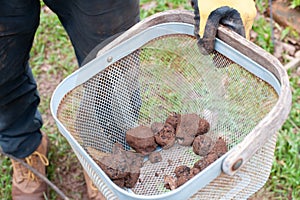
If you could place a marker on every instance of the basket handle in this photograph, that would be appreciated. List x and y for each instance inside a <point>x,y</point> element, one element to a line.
<point>224,15</point>
<point>273,121</point>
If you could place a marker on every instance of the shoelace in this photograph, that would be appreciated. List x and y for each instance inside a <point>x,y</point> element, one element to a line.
<point>92,185</point>
<point>30,161</point>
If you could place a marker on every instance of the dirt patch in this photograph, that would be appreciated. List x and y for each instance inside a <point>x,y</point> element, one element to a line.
<point>286,16</point>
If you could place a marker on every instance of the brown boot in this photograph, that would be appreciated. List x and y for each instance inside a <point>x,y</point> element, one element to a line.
<point>92,190</point>
<point>25,185</point>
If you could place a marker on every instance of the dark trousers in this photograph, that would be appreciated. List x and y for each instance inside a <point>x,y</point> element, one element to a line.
<point>87,23</point>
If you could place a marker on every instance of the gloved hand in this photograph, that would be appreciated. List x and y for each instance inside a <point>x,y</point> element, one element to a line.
<point>234,14</point>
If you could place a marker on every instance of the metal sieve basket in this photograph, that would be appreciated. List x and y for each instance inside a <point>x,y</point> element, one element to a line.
<point>155,68</point>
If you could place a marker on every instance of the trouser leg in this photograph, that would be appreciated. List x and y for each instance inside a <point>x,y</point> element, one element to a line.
<point>88,23</point>
<point>20,121</point>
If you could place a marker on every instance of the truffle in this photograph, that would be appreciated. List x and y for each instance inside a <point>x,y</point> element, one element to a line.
<point>141,139</point>
<point>173,119</point>
<point>202,145</point>
<point>166,136</point>
<point>203,126</point>
<point>220,147</point>
<point>187,129</point>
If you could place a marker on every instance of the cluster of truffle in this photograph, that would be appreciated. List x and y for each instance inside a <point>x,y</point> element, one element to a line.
<point>123,167</point>
<point>203,146</point>
<point>181,128</point>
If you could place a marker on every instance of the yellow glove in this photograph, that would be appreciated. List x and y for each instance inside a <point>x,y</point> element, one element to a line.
<point>246,8</point>
<point>236,15</point>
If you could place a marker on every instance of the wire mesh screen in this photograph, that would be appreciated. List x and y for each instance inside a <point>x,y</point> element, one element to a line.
<point>169,75</point>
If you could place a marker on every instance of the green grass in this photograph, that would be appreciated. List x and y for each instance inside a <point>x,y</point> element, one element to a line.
<point>295,3</point>
<point>5,178</point>
<point>52,55</point>
<point>264,39</point>
<point>149,7</point>
<point>284,180</point>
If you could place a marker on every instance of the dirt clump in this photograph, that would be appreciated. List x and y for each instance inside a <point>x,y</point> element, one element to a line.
<point>170,182</point>
<point>205,161</point>
<point>122,167</point>
<point>173,119</point>
<point>183,174</point>
<point>189,126</point>
<point>220,147</point>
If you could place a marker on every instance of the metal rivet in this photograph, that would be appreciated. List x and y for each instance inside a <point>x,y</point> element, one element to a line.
<point>237,164</point>
<point>109,59</point>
